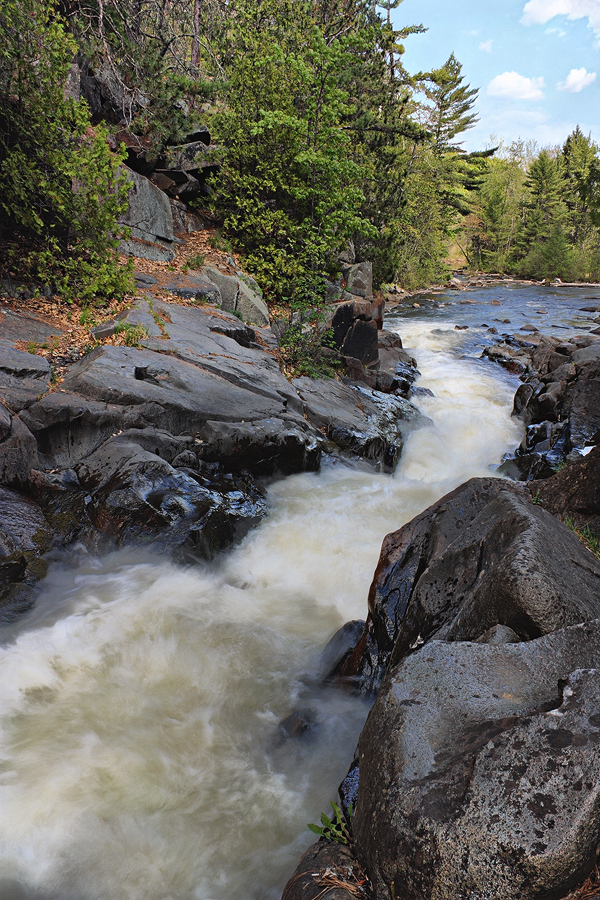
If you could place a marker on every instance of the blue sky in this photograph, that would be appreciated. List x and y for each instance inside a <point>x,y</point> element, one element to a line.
<point>536,63</point>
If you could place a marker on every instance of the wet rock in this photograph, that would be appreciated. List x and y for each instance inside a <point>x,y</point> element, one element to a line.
<point>25,536</point>
<point>357,419</point>
<point>573,492</point>
<point>18,452</point>
<point>361,342</point>
<point>297,725</point>
<point>265,446</point>
<point>338,647</point>
<point>484,555</point>
<point>24,378</point>
<point>327,868</point>
<point>480,770</point>
<point>138,497</point>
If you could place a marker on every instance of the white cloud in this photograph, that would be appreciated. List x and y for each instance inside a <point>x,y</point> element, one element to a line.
<point>486,46</point>
<point>538,12</point>
<point>577,80</point>
<point>557,31</point>
<point>512,86</point>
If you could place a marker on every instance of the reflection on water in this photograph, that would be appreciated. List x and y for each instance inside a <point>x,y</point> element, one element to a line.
<point>140,701</point>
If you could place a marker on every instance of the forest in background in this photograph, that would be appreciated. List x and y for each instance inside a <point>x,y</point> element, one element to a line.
<point>326,142</point>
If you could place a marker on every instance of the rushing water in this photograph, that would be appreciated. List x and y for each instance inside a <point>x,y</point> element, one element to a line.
<point>140,700</point>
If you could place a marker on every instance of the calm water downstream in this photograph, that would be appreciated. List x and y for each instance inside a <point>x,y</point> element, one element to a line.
<point>139,702</point>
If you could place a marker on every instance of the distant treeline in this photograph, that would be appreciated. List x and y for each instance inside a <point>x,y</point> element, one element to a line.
<point>537,213</point>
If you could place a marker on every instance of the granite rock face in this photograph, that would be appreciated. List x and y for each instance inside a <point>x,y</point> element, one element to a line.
<point>479,770</point>
<point>359,420</point>
<point>483,556</point>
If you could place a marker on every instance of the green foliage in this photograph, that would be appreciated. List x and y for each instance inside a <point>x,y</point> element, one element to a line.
<point>585,535</point>
<point>59,183</point>
<point>538,213</point>
<point>334,828</point>
<point>133,334</point>
<point>289,192</point>
<point>306,350</point>
<point>218,242</point>
<point>196,261</point>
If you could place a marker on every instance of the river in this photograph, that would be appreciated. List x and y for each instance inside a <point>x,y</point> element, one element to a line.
<point>139,701</point>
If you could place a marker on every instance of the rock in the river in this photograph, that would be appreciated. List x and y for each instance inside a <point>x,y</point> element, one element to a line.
<point>480,770</point>
<point>482,556</point>
<point>357,419</point>
<point>138,497</point>
<point>25,536</point>
<point>327,869</point>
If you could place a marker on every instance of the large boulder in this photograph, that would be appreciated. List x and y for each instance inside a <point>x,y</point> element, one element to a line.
<point>483,556</point>
<point>139,497</point>
<point>199,366</point>
<point>574,492</point>
<point>480,770</point>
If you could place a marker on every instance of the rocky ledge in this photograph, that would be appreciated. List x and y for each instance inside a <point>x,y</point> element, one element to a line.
<point>165,441</point>
<point>478,769</point>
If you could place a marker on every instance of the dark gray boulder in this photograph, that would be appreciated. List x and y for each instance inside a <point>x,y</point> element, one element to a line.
<point>137,497</point>
<point>25,536</point>
<point>480,770</point>
<point>18,452</point>
<point>330,869</point>
<point>24,377</point>
<point>263,446</point>
<point>149,219</point>
<point>358,420</point>
<point>574,492</point>
<point>17,326</point>
<point>484,555</point>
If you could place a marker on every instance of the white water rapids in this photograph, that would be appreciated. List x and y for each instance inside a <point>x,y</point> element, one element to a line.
<point>139,701</point>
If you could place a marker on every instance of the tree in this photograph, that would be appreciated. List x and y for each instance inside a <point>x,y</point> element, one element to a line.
<point>289,190</point>
<point>59,183</point>
<point>450,104</point>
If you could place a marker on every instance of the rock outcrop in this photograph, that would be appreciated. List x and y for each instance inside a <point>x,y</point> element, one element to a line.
<point>161,440</point>
<point>478,769</point>
<point>559,404</point>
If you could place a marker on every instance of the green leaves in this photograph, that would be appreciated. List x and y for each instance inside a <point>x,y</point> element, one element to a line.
<point>59,182</point>
<point>334,828</point>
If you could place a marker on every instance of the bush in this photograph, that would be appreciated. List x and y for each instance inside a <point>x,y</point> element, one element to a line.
<point>59,183</point>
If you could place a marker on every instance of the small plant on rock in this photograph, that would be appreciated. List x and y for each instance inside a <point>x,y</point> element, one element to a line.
<point>334,828</point>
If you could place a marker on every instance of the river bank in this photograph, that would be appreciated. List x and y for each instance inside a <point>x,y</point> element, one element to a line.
<point>143,703</point>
